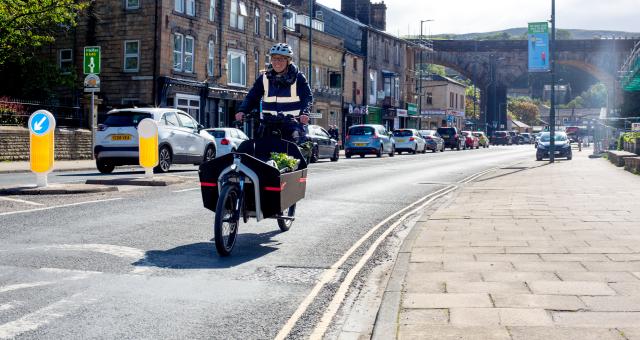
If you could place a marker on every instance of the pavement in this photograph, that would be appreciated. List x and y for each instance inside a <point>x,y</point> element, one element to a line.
<point>533,251</point>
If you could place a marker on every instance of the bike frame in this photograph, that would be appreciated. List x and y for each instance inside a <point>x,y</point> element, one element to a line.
<point>241,172</point>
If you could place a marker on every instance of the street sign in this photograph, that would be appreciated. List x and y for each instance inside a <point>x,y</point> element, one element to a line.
<point>538,38</point>
<point>316,115</point>
<point>91,61</point>
<point>635,126</point>
<point>42,125</point>
<point>92,83</point>
<point>148,145</point>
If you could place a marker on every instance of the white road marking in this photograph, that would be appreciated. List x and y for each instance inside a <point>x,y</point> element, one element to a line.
<point>333,307</point>
<point>19,201</point>
<point>331,272</point>
<point>191,189</point>
<point>57,206</point>
<point>44,316</point>
<point>17,286</point>
<point>110,249</point>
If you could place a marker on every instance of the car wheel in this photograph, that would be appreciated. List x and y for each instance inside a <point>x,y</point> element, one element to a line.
<point>379,154</point>
<point>393,151</point>
<point>362,156</point>
<point>209,154</point>
<point>348,155</point>
<point>415,150</point>
<point>104,167</point>
<point>569,157</point>
<point>164,160</point>
<point>336,155</point>
<point>314,154</point>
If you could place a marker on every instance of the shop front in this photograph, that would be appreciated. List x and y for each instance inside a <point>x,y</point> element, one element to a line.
<point>374,115</point>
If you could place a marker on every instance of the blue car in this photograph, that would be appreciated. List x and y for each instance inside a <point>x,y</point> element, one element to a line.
<point>368,139</point>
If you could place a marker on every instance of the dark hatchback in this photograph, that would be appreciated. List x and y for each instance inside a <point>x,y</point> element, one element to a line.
<point>323,145</point>
<point>501,138</point>
<point>452,137</point>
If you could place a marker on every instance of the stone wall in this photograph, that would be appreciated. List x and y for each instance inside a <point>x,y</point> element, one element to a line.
<point>69,144</point>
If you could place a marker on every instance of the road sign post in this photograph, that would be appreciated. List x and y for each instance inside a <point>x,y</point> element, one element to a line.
<point>148,145</point>
<point>42,125</point>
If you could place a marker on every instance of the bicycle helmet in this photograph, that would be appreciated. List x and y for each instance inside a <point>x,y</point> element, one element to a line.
<point>281,49</point>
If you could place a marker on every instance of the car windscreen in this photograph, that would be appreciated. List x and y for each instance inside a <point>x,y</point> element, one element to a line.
<point>126,118</point>
<point>557,138</point>
<point>216,133</point>
<point>361,131</point>
<point>477,134</point>
<point>402,133</point>
<point>500,134</point>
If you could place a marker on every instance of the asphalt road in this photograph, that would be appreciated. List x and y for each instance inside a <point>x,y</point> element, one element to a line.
<point>140,263</point>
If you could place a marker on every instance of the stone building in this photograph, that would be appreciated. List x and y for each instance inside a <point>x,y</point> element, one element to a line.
<point>443,102</point>
<point>197,55</point>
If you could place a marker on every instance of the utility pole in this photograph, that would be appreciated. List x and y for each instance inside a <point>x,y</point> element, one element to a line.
<point>421,65</point>
<point>311,43</point>
<point>552,109</point>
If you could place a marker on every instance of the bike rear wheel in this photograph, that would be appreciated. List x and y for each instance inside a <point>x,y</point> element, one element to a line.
<point>226,222</point>
<point>285,223</point>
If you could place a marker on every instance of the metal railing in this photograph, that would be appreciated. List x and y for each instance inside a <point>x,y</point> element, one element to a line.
<point>630,70</point>
<point>16,112</point>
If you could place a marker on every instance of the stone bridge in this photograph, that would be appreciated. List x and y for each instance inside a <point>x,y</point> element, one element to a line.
<point>495,65</point>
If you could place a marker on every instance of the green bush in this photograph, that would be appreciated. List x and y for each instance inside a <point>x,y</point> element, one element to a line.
<point>630,137</point>
<point>620,144</point>
<point>12,113</point>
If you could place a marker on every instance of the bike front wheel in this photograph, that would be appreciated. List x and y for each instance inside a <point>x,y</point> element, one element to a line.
<point>226,222</point>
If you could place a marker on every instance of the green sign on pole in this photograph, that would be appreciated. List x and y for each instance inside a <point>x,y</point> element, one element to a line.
<point>91,62</point>
<point>412,109</point>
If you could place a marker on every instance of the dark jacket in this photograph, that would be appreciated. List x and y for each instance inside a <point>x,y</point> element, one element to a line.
<point>279,86</point>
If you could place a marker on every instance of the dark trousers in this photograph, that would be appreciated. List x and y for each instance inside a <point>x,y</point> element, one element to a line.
<point>285,125</point>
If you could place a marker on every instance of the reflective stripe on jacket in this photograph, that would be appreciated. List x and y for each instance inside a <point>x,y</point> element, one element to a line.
<point>275,100</point>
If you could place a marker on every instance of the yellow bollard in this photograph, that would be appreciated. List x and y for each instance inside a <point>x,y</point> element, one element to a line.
<point>42,125</point>
<point>148,145</point>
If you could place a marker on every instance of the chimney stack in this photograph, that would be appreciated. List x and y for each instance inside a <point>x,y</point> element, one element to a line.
<point>379,16</point>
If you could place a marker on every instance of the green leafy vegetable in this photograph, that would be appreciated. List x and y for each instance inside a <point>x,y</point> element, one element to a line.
<point>284,161</point>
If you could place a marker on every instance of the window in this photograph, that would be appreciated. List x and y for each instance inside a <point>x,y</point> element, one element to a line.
<point>170,119</point>
<point>131,55</point>
<point>317,76</point>
<point>179,6</point>
<point>188,54</point>
<point>450,99</point>
<point>212,10</point>
<point>396,88</point>
<point>183,53</point>
<point>238,12</point>
<point>373,86</point>
<point>66,60</point>
<point>189,104</point>
<point>387,87</point>
<point>335,80</point>
<point>267,18</point>
<point>132,4</point>
<point>386,51</point>
<point>429,98</point>
<point>177,51</point>
<point>256,21</point>
<point>354,91</point>
<point>456,106</point>
<point>185,6</point>
<point>210,59</point>
<point>191,7</point>
<point>236,68</point>
<point>274,27</point>
<point>256,61</point>
<point>397,54</point>
<point>290,19</point>
<point>355,64</point>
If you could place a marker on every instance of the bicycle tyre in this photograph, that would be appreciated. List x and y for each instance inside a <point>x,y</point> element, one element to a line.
<point>286,224</point>
<point>225,227</point>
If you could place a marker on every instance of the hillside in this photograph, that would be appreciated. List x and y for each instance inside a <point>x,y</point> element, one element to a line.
<point>520,32</point>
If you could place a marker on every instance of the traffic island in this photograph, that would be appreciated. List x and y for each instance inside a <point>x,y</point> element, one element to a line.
<point>58,189</point>
<point>139,181</point>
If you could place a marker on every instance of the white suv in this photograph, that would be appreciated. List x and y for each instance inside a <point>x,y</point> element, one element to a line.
<point>180,139</point>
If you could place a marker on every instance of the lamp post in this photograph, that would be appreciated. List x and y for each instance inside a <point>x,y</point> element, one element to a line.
<point>552,108</point>
<point>420,74</point>
<point>310,42</point>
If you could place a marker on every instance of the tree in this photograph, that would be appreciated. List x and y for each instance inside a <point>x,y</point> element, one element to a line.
<point>523,109</point>
<point>468,103</point>
<point>595,96</point>
<point>25,25</point>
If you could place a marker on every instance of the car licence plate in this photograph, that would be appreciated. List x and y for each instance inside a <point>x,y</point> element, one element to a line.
<point>401,140</point>
<point>445,136</point>
<point>120,137</point>
<point>360,144</point>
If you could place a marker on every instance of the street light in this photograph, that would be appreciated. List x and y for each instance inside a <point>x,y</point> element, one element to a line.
<point>420,74</point>
<point>552,61</point>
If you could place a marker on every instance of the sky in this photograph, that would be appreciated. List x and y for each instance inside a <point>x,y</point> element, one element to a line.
<point>472,16</point>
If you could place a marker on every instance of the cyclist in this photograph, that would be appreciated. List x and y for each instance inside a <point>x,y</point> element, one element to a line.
<point>285,94</point>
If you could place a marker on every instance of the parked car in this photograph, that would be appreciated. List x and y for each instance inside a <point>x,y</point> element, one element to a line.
<point>482,139</point>
<point>227,139</point>
<point>180,139</point>
<point>366,139</point>
<point>515,137</point>
<point>562,146</point>
<point>433,140</point>
<point>526,138</point>
<point>501,138</point>
<point>573,132</point>
<point>452,138</point>
<point>323,145</point>
<point>409,140</point>
<point>471,141</point>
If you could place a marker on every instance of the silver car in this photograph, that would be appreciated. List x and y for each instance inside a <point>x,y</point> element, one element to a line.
<point>180,139</point>
<point>409,140</point>
<point>227,139</point>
